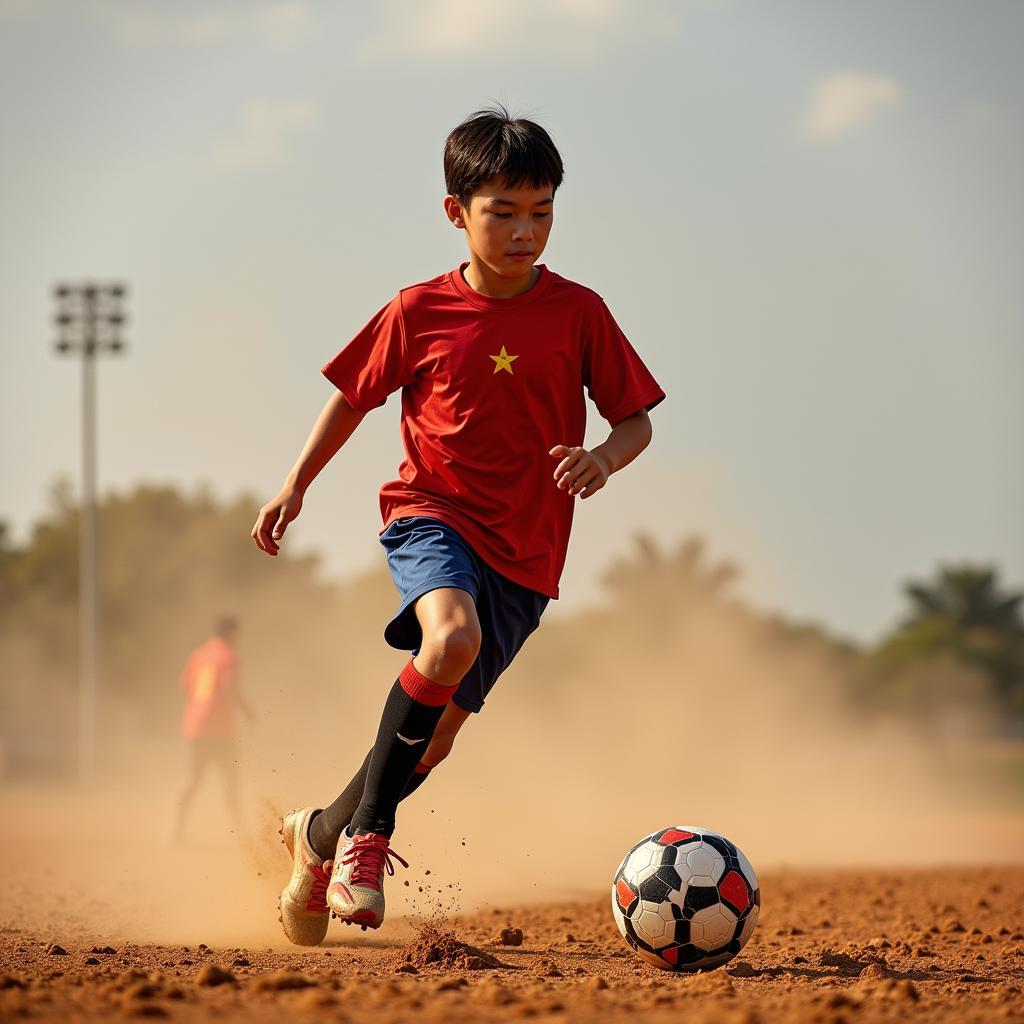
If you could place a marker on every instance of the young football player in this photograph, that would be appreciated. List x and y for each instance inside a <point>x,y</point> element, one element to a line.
<point>494,360</point>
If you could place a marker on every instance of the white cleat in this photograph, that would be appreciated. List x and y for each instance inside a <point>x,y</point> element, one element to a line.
<point>356,890</point>
<point>302,904</point>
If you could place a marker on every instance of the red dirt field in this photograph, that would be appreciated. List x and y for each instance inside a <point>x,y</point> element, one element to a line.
<point>831,946</point>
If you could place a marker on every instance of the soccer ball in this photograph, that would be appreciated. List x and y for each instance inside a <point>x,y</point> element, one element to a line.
<point>685,899</point>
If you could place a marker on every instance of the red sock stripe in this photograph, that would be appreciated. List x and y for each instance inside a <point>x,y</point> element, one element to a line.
<point>422,769</point>
<point>425,690</point>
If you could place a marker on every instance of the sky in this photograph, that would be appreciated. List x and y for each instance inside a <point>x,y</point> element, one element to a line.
<point>807,217</point>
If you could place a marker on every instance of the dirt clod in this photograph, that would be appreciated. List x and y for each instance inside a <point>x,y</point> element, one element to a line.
<point>711,983</point>
<point>211,974</point>
<point>904,990</point>
<point>742,969</point>
<point>450,984</point>
<point>436,944</point>
<point>843,962</point>
<point>279,981</point>
<point>872,974</point>
<point>142,990</point>
<point>546,969</point>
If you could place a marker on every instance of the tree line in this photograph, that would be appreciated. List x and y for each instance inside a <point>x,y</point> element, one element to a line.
<point>171,562</point>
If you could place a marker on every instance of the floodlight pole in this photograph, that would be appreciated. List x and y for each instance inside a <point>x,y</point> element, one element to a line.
<point>88,583</point>
<point>89,318</point>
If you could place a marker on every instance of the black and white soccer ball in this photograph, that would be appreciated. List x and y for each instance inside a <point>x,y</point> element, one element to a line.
<point>685,899</point>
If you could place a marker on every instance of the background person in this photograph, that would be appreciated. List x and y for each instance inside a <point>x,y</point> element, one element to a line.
<point>210,681</point>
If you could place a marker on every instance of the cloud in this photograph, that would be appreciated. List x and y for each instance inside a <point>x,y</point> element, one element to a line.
<point>266,131</point>
<point>847,100</point>
<point>467,28</point>
<point>285,22</point>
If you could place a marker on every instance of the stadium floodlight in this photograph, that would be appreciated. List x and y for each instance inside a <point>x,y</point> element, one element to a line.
<point>89,319</point>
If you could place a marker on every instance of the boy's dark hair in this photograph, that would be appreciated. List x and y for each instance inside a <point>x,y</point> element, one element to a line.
<point>491,143</point>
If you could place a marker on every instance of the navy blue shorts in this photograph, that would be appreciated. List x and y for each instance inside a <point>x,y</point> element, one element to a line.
<point>425,553</point>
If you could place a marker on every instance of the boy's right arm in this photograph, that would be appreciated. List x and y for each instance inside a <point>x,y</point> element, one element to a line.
<point>332,429</point>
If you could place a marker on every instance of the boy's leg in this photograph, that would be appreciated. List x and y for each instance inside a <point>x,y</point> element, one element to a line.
<point>412,711</point>
<point>451,642</point>
<point>326,825</point>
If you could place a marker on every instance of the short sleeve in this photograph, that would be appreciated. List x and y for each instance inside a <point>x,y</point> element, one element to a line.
<point>375,362</point>
<point>617,380</point>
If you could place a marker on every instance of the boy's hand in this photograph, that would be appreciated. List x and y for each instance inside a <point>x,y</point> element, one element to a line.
<point>274,518</point>
<point>580,470</point>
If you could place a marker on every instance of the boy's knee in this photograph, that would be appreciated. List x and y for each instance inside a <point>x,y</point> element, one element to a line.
<point>453,647</point>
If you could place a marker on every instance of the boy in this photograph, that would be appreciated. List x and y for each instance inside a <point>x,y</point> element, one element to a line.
<point>492,359</point>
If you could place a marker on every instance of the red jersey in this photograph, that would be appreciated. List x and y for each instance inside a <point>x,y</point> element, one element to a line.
<point>489,386</point>
<point>208,680</point>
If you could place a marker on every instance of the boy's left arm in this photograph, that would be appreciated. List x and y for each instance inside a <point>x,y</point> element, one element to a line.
<point>586,472</point>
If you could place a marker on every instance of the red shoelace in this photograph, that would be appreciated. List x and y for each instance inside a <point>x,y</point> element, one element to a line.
<point>317,899</point>
<point>369,856</point>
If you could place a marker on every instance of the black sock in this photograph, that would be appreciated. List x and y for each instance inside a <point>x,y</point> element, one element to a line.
<point>325,826</point>
<point>419,774</point>
<point>411,713</point>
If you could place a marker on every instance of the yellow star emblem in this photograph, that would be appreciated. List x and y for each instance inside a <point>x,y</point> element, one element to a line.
<point>503,361</point>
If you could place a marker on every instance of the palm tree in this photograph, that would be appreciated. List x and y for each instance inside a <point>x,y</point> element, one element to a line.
<point>660,583</point>
<point>964,613</point>
<point>968,596</point>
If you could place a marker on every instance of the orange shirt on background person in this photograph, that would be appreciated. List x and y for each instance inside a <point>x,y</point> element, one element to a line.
<point>208,680</point>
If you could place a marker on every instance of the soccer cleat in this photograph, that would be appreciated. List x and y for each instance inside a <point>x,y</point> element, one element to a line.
<point>303,904</point>
<point>356,890</point>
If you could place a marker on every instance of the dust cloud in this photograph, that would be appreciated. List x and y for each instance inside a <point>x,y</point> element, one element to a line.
<point>612,723</point>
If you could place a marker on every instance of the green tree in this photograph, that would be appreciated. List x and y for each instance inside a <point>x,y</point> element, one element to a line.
<point>965,616</point>
<point>968,596</point>
<point>170,563</point>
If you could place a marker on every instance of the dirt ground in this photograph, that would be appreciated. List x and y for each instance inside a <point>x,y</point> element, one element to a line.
<point>839,945</point>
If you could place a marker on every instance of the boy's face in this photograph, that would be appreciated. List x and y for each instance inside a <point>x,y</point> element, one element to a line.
<point>502,221</point>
